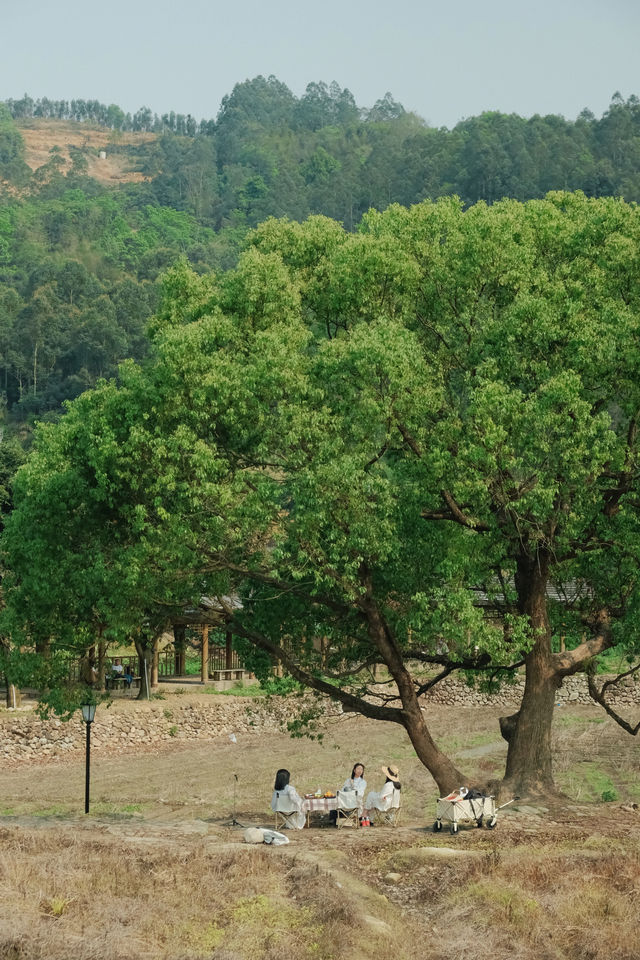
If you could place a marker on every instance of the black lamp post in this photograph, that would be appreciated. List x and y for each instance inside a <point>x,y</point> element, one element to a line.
<point>88,714</point>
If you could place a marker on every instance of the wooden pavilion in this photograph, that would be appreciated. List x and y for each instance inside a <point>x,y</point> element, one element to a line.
<point>218,661</point>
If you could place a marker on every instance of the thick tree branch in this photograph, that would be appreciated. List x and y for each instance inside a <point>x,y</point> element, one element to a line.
<point>456,514</point>
<point>481,663</point>
<point>598,696</point>
<point>277,652</point>
<point>378,456</point>
<point>409,440</point>
<point>570,661</point>
<point>424,687</point>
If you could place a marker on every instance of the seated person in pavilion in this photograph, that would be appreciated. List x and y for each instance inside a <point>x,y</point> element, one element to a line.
<point>117,671</point>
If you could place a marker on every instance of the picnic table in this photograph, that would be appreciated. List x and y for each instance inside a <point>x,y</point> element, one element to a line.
<point>113,681</point>
<point>319,804</point>
<point>327,804</point>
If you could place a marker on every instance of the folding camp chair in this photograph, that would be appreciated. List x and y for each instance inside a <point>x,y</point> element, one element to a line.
<point>284,812</point>
<point>390,817</point>
<point>348,812</point>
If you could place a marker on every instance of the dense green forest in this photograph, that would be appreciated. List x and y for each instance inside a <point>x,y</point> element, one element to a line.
<point>80,261</point>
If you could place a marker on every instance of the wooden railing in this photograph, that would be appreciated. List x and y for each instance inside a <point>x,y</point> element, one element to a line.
<point>220,658</point>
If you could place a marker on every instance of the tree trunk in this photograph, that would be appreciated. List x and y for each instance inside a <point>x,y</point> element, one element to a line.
<point>155,662</point>
<point>14,698</point>
<point>102,653</point>
<point>204,655</point>
<point>145,656</point>
<point>441,768</point>
<point>528,732</point>
<point>13,693</point>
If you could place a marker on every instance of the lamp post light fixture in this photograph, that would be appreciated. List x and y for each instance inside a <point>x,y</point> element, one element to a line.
<point>88,715</point>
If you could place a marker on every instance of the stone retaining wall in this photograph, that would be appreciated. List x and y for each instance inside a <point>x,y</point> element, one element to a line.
<point>27,737</point>
<point>24,736</point>
<point>453,690</point>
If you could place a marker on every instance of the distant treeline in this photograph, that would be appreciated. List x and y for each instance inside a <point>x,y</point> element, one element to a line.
<point>81,262</point>
<point>320,105</point>
<point>269,152</point>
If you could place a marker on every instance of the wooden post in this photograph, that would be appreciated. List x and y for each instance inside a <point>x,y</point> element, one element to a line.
<point>155,663</point>
<point>179,637</point>
<point>228,661</point>
<point>204,664</point>
<point>324,650</point>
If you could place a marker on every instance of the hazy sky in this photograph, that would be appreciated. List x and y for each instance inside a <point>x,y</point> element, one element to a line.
<point>443,60</point>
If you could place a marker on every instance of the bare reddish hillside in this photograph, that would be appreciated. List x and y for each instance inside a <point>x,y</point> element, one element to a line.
<point>41,135</point>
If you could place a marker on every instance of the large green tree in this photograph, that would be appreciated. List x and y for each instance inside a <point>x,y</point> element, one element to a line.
<point>372,440</point>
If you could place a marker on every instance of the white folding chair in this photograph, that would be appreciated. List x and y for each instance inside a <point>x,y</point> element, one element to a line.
<point>348,811</point>
<point>284,812</point>
<point>390,817</point>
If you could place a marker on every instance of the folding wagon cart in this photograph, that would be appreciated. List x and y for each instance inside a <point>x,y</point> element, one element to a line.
<point>459,810</point>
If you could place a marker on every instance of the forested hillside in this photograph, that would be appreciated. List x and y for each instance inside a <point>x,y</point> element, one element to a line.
<point>80,258</point>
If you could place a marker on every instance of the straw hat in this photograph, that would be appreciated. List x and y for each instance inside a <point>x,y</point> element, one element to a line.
<point>392,772</point>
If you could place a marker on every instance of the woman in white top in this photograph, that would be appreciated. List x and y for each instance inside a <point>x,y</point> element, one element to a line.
<point>285,791</point>
<point>384,799</point>
<point>356,781</point>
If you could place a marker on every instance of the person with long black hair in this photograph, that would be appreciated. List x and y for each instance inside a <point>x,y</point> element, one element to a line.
<point>356,781</point>
<point>356,784</point>
<point>283,790</point>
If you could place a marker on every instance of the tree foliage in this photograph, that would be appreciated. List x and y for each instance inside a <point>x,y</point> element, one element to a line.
<point>204,184</point>
<point>373,440</point>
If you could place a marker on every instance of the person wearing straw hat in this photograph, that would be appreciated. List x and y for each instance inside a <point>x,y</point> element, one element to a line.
<point>383,800</point>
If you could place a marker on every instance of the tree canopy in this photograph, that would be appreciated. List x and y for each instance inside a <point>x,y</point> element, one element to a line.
<point>198,187</point>
<point>374,441</point>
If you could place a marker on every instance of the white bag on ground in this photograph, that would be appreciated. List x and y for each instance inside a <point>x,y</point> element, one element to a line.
<point>262,835</point>
<point>274,838</point>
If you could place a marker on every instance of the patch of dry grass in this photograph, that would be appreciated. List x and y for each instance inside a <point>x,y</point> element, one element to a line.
<point>41,135</point>
<point>570,905</point>
<point>569,900</point>
<point>153,874</point>
<point>63,895</point>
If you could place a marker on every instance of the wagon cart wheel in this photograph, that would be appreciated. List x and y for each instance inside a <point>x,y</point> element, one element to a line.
<point>437,827</point>
<point>491,824</point>
<point>454,828</point>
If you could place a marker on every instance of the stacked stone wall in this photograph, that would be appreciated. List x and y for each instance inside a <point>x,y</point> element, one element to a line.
<point>24,736</point>
<point>453,690</point>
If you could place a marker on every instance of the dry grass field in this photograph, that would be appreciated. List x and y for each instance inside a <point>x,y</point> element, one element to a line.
<point>41,135</point>
<point>157,871</point>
